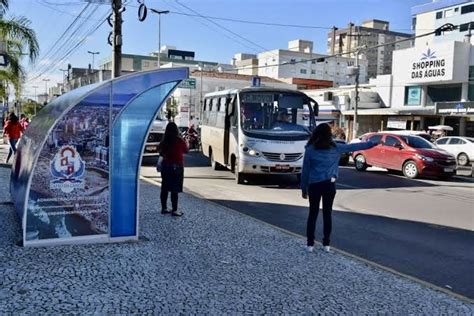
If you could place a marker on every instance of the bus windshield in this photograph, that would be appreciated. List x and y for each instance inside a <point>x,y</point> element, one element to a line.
<point>275,113</point>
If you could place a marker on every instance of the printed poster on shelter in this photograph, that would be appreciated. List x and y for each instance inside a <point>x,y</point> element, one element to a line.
<point>69,194</point>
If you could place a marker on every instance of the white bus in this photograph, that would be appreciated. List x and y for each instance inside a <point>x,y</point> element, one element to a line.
<point>257,130</point>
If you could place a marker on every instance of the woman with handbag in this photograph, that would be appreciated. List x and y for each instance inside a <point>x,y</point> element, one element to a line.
<point>171,163</point>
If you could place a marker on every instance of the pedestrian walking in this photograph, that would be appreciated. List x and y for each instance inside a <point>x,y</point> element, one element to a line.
<point>318,178</point>
<point>172,149</point>
<point>12,129</point>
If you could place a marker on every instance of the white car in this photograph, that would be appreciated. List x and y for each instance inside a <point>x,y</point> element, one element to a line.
<point>461,147</point>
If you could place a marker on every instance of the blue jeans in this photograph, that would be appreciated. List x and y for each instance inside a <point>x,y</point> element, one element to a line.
<point>12,149</point>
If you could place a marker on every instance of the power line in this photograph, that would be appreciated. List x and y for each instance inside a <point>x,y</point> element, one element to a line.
<point>444,28</point>
<point>85,36</point>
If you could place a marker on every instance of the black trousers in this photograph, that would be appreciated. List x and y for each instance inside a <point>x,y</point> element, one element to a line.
<point>164,200</point>
<point>327,191</point>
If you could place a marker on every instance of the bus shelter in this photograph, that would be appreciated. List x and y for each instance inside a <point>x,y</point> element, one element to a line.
<point>75,175</point>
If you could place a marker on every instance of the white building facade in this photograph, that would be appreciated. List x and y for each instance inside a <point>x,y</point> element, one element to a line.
<point>431,16</point>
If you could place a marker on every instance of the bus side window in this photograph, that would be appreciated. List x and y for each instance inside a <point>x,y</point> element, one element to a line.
<point>205,112</point>
<point>213,111</point>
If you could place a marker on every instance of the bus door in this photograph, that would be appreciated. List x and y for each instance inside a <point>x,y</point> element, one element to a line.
<point>230,109</point>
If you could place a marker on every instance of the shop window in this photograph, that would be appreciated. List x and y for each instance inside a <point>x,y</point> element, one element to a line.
<point>444,93</point>
<point>413,95</point>
<point>471,92</point>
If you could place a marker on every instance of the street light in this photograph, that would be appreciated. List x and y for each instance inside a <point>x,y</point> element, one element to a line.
<point>46,88</point>
<point>93,54</point>
<point>159,30</point>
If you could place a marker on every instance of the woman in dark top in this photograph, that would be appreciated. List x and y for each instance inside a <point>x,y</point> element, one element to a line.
<point>172,148</point>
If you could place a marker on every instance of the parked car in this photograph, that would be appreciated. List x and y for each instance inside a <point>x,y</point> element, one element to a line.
<point>461,147</point>
<point>412,155</point>
<point>344,160</point>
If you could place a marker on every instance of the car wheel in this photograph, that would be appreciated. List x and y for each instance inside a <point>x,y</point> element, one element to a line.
<point>463,159</point>
<point>410,169</point>
<point>360,163</point>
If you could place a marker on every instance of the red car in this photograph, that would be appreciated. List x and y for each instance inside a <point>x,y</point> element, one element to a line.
<point>412,155</point>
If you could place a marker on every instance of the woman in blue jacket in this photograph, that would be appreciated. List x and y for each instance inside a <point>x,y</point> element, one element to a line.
<point>318,178</point>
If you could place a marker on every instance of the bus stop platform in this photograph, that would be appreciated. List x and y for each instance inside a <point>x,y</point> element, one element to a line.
<point>210,261</point>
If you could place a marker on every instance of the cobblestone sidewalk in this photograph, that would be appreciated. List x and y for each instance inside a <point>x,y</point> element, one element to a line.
<point>211,261</point>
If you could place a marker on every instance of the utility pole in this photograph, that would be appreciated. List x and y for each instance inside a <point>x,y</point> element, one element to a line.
<point>117,38</point>
<point>93,54</point>
<point>355,123</point>
<point>46,88</point>
<point>36,100</point>
<point>159,31</point>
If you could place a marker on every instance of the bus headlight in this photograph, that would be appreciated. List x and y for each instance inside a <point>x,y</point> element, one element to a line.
<point>250,152</point>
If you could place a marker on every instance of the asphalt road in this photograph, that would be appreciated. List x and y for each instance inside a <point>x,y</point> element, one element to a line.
<point>422,228</point>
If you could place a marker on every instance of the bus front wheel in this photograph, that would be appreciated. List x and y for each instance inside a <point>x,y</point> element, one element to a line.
<point>239,176</point>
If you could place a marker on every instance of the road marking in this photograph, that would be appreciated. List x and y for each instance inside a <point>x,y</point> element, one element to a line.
<point>340,251</point>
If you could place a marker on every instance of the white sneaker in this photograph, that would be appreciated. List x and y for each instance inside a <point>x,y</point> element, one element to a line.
<point>309,248</point>
<point>327,249</point>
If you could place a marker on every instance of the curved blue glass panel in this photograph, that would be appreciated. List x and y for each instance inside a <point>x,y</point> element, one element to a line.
<point>128,139</point>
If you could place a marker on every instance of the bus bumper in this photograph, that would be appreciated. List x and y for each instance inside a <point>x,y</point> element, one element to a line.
<point>259,165</point>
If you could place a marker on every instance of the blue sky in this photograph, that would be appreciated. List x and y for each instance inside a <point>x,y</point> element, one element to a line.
<point>210,42</point>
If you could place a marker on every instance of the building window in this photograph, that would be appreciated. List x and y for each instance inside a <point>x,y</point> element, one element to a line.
<point>303,71</point>
<point>146,64</point>
<point>444,93</point>
<point>467,9</point>
<point>413,95</point>
<point>448,13</point>
<point>439,15</point>
<point>465,27</point>
<point>292,60</point>
<point>313,72</point>
<point>413,23</point>
<point>456,9</point>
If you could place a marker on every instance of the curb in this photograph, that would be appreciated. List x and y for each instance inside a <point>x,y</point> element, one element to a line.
<point>342,252</point>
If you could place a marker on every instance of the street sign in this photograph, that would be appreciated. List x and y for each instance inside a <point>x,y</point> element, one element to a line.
<point>188,84</point>
<point>455,108</point>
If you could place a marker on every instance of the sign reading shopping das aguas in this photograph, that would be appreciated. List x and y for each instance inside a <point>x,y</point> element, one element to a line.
<point>75,175</point>
<point>434,63</point>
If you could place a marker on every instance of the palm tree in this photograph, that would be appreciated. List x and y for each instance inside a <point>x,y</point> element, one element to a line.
<point>18,39</point>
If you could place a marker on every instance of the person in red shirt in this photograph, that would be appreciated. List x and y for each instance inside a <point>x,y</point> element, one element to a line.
<point>12,130</point>
<point>172,148</point>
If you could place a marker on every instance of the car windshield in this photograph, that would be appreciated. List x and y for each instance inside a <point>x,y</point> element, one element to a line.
<point>275,113</point>
<point>417,142</point>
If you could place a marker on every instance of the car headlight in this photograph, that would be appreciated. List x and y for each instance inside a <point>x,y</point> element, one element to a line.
<point>250,152</point>
<point>425,158</point>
